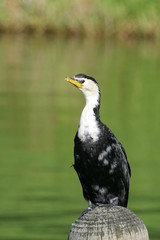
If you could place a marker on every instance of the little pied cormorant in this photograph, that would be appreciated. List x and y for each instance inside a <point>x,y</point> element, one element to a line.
<point>100,159</point>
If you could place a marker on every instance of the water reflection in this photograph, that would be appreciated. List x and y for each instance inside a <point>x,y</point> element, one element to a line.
<point>39,114</point>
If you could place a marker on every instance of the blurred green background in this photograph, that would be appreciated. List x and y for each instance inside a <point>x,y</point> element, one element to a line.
<point>95,18</point>
<point>40,194</point>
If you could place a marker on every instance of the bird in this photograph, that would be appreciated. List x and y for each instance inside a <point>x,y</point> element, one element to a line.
<point>99,158</point>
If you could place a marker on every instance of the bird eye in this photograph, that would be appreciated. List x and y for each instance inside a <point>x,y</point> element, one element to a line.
<point>82,81</point>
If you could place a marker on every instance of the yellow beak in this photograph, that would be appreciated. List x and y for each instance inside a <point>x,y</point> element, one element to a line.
<point>74,82</point>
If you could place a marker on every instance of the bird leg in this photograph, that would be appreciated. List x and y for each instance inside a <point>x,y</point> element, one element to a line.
<point>112,201</point>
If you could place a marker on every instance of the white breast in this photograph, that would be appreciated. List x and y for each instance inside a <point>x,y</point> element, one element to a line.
<point>88,126</point>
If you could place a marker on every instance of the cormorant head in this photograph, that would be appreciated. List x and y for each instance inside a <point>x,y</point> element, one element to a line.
<point>87,85</point>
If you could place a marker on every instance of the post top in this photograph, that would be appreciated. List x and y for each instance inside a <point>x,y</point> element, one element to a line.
<point>108,222</point>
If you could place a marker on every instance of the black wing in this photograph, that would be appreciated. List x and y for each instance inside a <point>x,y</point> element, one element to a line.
<point>103,169</point>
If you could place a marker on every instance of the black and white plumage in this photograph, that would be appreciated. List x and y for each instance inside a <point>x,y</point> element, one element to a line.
<point>100,159</point>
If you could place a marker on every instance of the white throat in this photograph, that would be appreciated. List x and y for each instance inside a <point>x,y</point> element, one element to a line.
<point>88,126</point>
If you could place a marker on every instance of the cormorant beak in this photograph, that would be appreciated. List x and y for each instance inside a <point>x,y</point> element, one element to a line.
<point>74,82</point>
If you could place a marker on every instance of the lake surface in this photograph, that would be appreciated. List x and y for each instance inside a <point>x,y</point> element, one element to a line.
<point>40,194</point>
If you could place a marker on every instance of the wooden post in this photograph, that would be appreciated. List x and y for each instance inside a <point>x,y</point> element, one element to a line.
<point>108,223</point>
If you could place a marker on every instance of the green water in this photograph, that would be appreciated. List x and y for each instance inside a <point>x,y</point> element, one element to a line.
<point>40,195</point>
